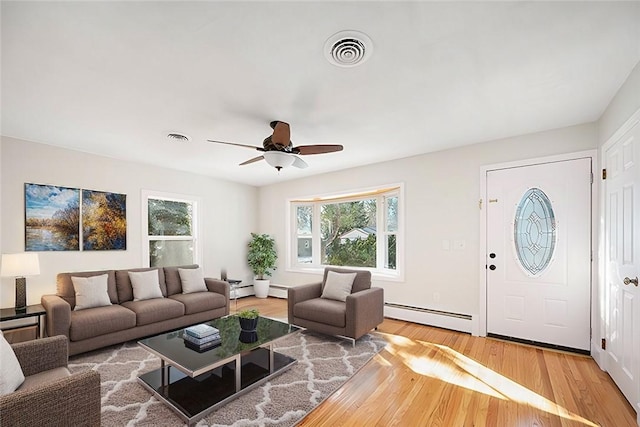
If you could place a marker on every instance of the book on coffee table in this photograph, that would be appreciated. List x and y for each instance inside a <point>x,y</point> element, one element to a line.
<point>202,347</point>
<point>202,330</point>
<point>201,341</point>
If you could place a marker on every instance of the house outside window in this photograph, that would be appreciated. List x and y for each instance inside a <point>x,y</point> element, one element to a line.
<point>356,230</point>
<point>170,229</point>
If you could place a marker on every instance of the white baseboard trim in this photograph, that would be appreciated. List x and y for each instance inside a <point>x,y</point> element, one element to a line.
<point>440,319</point>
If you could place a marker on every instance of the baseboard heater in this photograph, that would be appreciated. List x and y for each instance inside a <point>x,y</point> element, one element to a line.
<point>426,316</point>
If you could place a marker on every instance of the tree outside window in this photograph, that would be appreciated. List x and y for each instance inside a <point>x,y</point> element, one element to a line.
<point>360,230</point>
<point>171,231</point>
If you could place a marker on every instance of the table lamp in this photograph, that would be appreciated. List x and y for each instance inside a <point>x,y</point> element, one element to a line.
<point>19,266</point>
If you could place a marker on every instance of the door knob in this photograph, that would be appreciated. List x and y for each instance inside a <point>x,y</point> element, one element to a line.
<point>627,281</point>
<point>492,267</point>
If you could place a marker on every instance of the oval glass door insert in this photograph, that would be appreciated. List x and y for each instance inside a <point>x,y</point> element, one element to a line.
<point>534,231</point>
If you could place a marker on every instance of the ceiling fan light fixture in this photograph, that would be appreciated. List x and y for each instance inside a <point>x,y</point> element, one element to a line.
<point>278,159</point>
<point>348,48</point>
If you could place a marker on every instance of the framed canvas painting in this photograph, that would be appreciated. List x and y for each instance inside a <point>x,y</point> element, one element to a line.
<point>52,218</point>
<point>104,221</point>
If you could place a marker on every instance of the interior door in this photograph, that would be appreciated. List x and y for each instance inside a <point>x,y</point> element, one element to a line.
<point>539,253</point>
<point>622,268</point>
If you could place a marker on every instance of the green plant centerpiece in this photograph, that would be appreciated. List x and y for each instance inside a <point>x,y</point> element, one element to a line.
<point>248,319</point>
<point>262,255</point>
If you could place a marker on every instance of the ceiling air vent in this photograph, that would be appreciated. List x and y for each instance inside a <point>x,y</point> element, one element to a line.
<point>348,48</point>
<point>175,136</point>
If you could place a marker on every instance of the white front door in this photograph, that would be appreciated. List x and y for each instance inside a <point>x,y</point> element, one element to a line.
<point>539,253</point>
<point>622,263</point>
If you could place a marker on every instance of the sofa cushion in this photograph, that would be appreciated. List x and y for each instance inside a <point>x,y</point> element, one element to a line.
<point>154,310</point>
<point>100,321</point>
<point>91,291</point>
<point>360,283</point>
<point>11,375</point>
<point>145,284</point>
<point>322,310</point>
<point>192,280</point>
<point>338,286</point>
<point>197,302</point>
<point>66,291</point>
<point>123,282</point>
<point>36,381</point>
<point>172,278</point>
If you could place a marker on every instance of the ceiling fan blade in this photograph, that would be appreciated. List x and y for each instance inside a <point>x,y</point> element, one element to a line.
<point>299,163</point>
<point>281,134</point>
<point>237,145</point>
<point>317,149</point>
<point>255,159</point>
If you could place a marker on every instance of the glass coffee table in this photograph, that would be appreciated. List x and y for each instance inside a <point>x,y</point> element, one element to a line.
<point>195,383</point>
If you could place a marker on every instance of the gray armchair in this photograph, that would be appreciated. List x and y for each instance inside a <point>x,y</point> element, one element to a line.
<point>50,394</point>
<point>362,310</point>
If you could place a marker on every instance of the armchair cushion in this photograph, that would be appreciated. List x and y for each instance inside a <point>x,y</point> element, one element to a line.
<point>338,285</point>
<point>322,310</point>
<point>11,375</point>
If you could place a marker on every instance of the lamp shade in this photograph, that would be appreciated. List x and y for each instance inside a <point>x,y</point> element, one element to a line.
<point>20,265</point>
<point>278,159</point>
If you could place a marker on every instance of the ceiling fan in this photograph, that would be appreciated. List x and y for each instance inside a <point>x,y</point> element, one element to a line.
<point>279,151</point>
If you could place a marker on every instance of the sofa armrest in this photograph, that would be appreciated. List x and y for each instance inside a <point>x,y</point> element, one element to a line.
<point>365,311</point>
<point>70,401</point>
<point>220,287</point>
<point>42,355</point>
<point>301,293</point>
<point>58,320</point>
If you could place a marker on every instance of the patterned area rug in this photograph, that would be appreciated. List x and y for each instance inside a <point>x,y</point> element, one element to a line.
<point>324,364</point>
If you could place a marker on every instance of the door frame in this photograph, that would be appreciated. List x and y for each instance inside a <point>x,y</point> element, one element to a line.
<point>480,325</point>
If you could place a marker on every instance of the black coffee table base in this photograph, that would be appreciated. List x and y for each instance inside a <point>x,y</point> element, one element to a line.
<point>194,398</point>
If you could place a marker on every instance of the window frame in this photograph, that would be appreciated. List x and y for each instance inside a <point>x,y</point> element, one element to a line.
<point>196,235</point>
<point>380,193</point>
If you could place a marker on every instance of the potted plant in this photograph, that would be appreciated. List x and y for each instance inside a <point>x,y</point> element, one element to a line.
<point>248,319</point>
<point>262,259</point>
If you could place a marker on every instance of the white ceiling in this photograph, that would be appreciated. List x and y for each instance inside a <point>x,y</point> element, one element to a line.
<point>113,78</point>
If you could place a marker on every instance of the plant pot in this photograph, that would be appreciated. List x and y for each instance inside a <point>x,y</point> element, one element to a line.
<point>261,288</point>
<point>248,336</point>
<point>248,325</point>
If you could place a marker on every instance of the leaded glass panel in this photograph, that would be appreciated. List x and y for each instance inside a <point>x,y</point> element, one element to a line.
<point>535,231</point>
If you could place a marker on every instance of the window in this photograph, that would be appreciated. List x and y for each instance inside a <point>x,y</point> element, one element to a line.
<point>170,230</point>
<point>534,231</point>
<point>359,230</point>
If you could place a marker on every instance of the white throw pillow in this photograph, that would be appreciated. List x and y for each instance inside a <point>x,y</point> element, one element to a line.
<point>192,280</point>
<point>338,285</point>
<point>91,291</point>
<point>145,284</point>
<point>11,376</point>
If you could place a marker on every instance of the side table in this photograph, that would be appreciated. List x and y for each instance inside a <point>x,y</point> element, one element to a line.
<point>233,284</point>
<point>30,311</point>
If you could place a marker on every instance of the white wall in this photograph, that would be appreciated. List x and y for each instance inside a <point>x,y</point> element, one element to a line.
<point>441,203</point>
<point>229,211</point>
<point>622,106</point>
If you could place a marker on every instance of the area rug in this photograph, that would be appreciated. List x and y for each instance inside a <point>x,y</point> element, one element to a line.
<point>324,365</point>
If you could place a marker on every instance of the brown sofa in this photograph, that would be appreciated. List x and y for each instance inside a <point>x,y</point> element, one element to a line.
<point>362,310</point>
<point>50,394</point>
<point>126,319</point>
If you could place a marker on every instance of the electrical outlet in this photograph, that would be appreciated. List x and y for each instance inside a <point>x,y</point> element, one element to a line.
<point>436,297</point>
<point>459,245</point>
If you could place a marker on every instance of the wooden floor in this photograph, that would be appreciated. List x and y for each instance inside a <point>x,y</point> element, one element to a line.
<point>434,377</point>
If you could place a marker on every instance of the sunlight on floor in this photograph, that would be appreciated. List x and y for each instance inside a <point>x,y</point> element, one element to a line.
<point>444,363</point>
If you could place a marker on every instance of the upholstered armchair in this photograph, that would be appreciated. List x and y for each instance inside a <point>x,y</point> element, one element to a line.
<point>50,395</point>
<point>320,306</point>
